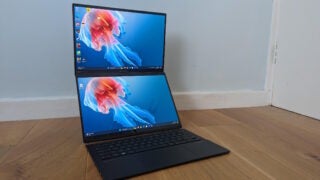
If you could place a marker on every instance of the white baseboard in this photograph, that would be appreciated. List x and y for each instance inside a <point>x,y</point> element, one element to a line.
<point>56,107</point>
<point>218,100</point>
<point>38,108</point>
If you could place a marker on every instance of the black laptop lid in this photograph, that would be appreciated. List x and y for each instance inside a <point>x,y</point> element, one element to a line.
<point>113,106</point>
<point>110,39</point>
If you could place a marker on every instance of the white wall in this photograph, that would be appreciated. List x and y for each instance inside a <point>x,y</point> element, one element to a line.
<point>297,84</point>
<point>211,46</point>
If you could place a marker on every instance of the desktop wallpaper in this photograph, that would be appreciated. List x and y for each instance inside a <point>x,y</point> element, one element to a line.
<point>113,104</point>
<point>109,39</point>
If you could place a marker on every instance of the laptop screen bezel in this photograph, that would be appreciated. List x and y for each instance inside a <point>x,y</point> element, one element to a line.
<point>88,139</point>
<point>85,71</point>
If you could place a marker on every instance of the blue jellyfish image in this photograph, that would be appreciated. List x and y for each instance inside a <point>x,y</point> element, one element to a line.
<point>105,93</point>
<point>100,28</point>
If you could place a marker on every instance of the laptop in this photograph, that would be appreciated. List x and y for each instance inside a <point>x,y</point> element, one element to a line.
<point>129,121</point>
<point>130,126</point>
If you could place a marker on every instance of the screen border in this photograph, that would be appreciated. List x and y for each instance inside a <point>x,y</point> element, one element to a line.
<point>130,132</point>
<point>85,71</point>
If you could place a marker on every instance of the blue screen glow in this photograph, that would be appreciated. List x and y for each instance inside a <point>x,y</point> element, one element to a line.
<point>122,103</point>
<point>117,39</point>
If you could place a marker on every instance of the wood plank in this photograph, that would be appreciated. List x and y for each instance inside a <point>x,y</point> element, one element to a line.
<point>292,148</point>
<point>11,133</point>
<point>265,143</point>
<point>294,119</point>
<point>51,144</point>
<point>270,125</point>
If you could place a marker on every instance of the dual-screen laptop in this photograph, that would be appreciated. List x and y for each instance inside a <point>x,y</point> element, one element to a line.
<point>129,121</point>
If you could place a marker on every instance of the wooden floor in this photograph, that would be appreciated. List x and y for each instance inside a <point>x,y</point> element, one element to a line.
<point>265,143</point>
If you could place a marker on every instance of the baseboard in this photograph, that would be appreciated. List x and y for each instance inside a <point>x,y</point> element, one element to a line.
<point>38,108</point>
<point>56,107</point>
<point>218,100</point>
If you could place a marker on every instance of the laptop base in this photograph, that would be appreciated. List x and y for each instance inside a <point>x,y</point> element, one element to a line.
<point>135,164</point>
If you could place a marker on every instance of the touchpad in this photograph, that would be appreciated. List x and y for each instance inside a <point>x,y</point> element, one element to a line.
<point>146,162</point>
<point>161,158</point>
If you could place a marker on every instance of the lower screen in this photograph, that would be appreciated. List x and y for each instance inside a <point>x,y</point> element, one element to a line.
<point>123,103</point>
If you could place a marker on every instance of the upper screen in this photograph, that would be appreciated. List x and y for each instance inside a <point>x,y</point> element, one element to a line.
<point>116,39</point>
<point>122,103</point>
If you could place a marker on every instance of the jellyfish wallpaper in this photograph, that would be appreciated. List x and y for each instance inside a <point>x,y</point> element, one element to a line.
<point>115,39</point>
<point>99,28</point>
<point>105,93</point>
<point>112,104</point>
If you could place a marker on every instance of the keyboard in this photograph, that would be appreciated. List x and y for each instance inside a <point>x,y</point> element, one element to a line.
<point>136,144</point>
